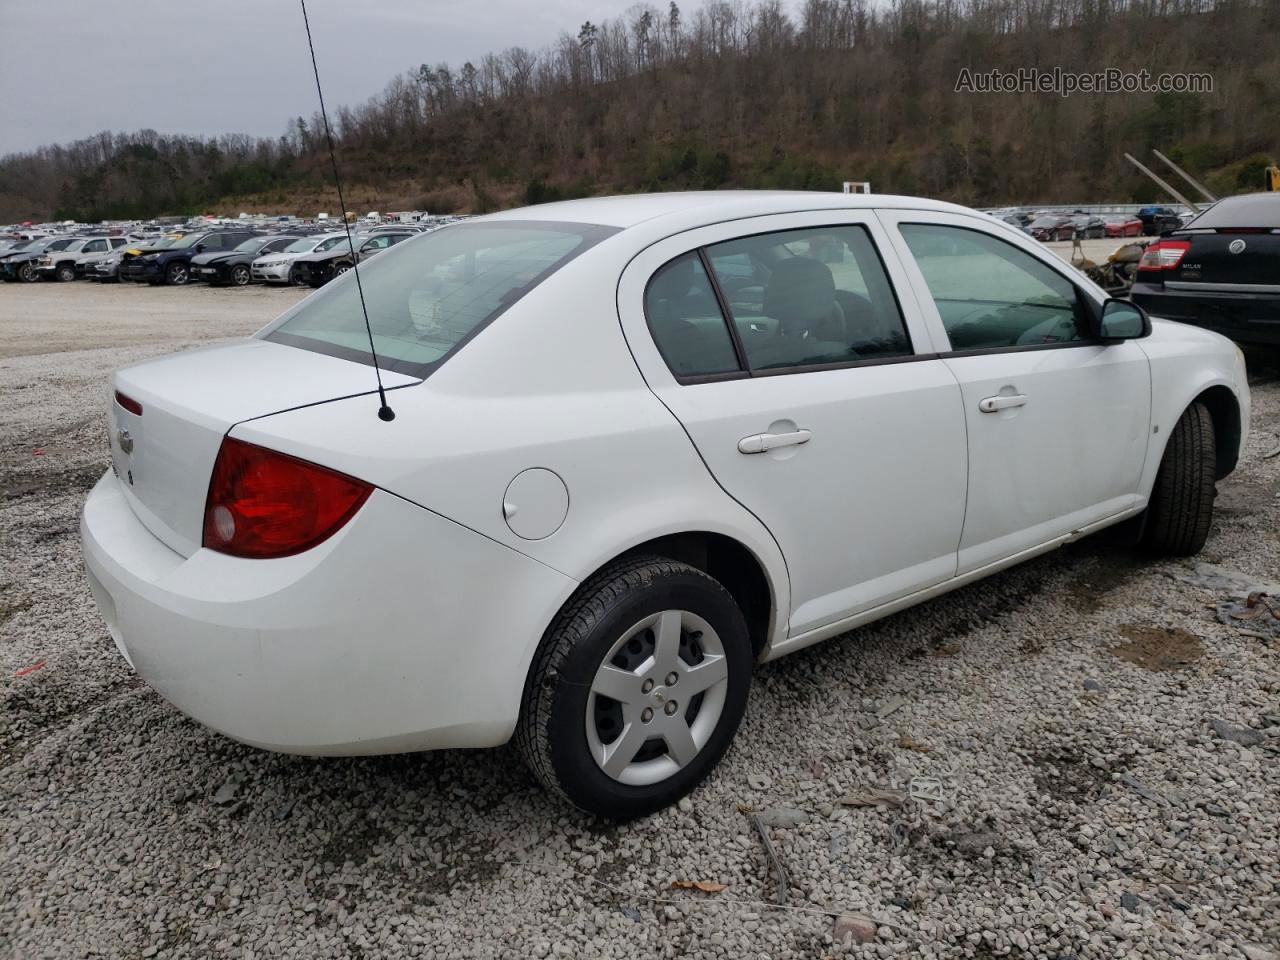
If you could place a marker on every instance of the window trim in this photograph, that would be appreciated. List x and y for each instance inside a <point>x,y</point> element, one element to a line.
<point>1085,302</point>
<point>745,371</point>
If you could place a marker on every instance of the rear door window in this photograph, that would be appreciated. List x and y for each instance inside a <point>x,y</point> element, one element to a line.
<point>809,298</point>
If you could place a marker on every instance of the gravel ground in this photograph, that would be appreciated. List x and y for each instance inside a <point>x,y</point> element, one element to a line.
<point>1071,710</point>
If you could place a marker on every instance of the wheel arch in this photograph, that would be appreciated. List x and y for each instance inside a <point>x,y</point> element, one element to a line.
<point>731,563</point>
<point>1224,408</point>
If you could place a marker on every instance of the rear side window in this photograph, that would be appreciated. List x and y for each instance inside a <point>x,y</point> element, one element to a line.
<point>686,322</point>
<point>809,298</point>
<point>990,294</point>
<point>1254,210</point>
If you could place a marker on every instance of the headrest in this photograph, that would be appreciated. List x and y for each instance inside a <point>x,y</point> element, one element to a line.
<point>801,290</point>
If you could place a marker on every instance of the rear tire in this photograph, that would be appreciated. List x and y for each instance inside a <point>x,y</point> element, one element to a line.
<point>643,627</point>
<point>27,273</point>
<point>1181,508</point>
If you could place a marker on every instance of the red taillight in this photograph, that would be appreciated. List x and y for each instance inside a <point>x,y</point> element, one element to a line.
<point>130,404</point>
<point>1164,255</point>
<point>265,504</point>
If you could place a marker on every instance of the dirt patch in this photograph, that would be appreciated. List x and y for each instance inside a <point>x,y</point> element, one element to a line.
<point>1159,648</point>
<point>1087,592</point>
<point>1068,777</point>
<point>1238,498</point>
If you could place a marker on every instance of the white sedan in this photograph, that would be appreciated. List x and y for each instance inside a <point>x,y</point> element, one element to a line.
<point>639,444</point>
<point>278,267</point>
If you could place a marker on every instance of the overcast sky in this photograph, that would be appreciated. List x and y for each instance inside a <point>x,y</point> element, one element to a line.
<point>72,68</point>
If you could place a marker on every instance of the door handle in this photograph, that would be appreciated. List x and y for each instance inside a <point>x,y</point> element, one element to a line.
<point>761,442</point>
<point>996,404</point>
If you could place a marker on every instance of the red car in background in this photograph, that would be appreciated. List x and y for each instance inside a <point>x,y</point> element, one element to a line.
<point>1122,224</point>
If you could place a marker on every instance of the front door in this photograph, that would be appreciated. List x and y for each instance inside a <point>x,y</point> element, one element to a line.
<point>1057,421</point>
<point>812,394</point>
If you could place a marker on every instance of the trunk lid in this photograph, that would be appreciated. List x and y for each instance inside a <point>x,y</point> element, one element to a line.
<point>1211,258</point>
<point>164,456</point>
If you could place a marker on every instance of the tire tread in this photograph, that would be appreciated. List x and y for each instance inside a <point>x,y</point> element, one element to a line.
<point>1182,501</point>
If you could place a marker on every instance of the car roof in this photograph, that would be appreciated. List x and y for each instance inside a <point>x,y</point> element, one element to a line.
<point>714,205</point>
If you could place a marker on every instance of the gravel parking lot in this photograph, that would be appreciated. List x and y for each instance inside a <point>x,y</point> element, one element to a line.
<point>1106,752</point>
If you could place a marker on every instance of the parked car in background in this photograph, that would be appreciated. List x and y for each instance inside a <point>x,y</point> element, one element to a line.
<point>1156,220</point>
<point>1221,271</point>
<point>106,267</point>
<point>317,269</point>
<point>172,264</point>
<point>15,261</point>
<point>1122,225</point>
<point>102,266</point>
<point>64,265</point>
<point>279,267</point>
<point>1088,226</point>
<point>1052,227</point>
<point>24,263</point>
<point>500,560</point>
<point>234,266</point>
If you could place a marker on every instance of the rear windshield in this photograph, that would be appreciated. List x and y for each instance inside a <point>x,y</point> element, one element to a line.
<point>429,294</point>
<point>1248,211</point>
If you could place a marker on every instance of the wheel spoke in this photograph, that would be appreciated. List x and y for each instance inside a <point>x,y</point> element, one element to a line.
<point>666,647</point>
<point>680,745</point>
<point>615,756</point>
<point>620,685</point>
<point>703,676</point>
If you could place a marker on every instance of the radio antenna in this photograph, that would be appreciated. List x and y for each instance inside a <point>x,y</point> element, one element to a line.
<point>385,412</point>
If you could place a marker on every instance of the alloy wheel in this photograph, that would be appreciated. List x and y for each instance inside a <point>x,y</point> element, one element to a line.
<point>656,698</point>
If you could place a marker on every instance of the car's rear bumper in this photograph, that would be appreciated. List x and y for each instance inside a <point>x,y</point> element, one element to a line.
<point>403,631</point>
<point>1251,318</point>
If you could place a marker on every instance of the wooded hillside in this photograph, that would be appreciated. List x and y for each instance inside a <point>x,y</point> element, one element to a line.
<point>738,94</point>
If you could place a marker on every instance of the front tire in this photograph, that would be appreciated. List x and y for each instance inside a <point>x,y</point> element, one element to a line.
<point>27,273</point>
<point>177,275</point>
<point>637,689</point>
<point>240,275</point>
<point>65,273</point>
<point>1181,508</point>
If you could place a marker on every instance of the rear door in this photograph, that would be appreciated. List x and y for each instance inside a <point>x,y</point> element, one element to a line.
<point>810,389</point>
<point>1057,421</point>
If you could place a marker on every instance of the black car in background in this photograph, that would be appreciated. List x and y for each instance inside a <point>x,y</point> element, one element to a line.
<point>1156,220</point>
<point>317,269</point>
<point>19,261</point>
<point>1052,227</point>
<point>172,265</point>
<point>1088,226</point>
<point>15,260</point>
<point>1221,271</point>
<point>233,266</point>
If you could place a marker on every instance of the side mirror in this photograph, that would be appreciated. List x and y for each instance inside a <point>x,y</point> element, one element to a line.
<point>1122,320</point>
<point>199,248</point>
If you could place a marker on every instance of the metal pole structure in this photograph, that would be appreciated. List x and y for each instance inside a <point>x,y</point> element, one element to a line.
<point>1172,192</point>
<point>1187,177</point>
